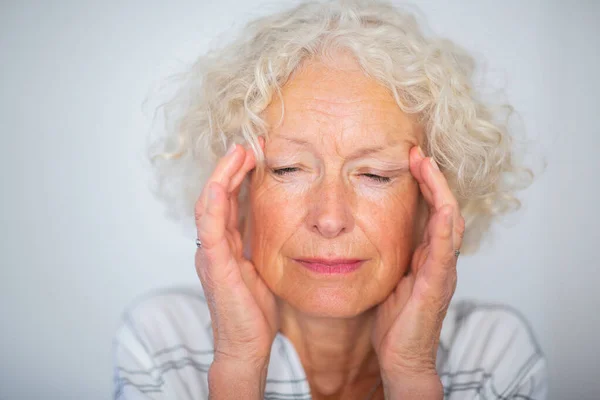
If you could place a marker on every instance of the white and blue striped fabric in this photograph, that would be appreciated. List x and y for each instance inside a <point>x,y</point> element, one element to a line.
<point>163,350</point>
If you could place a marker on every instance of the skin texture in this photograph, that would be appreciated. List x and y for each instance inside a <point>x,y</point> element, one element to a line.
<point>330,207</point>
<point>323,196</point>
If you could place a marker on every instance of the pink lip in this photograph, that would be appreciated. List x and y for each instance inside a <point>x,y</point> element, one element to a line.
<point>331,266</point>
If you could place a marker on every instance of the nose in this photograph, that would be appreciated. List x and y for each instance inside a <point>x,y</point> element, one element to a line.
<point>330,213</point>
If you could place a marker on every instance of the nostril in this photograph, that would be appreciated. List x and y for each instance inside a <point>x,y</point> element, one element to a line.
<point>330,214</point>
<point>330,227</point>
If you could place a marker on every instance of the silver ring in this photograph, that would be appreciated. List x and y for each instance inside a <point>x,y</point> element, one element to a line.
<point>456,253</point>
<point>198,243</point>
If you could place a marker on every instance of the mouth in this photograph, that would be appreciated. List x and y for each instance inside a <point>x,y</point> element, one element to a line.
<point>331,265</point>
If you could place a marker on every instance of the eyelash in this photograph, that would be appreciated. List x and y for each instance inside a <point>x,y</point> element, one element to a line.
<point>289,170</point>
<point>378,178</point>
<point>285,171</point>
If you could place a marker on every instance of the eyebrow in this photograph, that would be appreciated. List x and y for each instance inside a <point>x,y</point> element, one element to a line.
<point>357,154</point>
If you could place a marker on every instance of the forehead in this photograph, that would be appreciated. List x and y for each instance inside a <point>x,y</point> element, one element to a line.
<point>339,103</point>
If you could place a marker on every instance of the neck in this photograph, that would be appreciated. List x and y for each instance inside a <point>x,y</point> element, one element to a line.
<point>336,353</point>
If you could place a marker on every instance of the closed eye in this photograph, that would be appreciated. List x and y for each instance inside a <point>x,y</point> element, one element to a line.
<point>378,178</point>
<point>285,171</point>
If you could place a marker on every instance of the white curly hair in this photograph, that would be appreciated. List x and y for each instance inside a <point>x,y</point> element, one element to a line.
<point>220,99</point>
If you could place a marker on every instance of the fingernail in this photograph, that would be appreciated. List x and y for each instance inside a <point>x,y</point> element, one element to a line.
<point>434,164</point>
<point>421,152</point>
<point>231,149</point>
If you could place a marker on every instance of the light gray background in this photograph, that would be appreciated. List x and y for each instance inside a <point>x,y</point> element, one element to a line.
<point>81,236</point>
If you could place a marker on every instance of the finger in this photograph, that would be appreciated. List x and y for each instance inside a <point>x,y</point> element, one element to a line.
<point>211,232</point>
<point>459,230</point>
<point>440,266</point>
<point>437,184</point>
<point>440,230</point>
<point>416,157</point>
<point>211,227</point>
<point>235,187</point>
<point>236,182</point>
<point>427,195</point>
<point>227,166</point>
<point>441,195</point>
<point>247,165</point>
<point>232,223</point>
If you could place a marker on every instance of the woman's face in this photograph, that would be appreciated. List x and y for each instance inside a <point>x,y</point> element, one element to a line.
<point>332,223</point>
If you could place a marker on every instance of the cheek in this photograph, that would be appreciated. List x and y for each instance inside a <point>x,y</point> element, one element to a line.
<point>389,221</point>
<point>274,218</point>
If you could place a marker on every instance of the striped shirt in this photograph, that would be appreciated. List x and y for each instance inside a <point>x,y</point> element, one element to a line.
<point>164,347</point>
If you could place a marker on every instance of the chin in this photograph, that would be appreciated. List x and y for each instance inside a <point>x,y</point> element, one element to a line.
<point>331,302</point>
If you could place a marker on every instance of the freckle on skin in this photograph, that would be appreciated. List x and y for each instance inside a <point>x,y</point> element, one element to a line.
<point>337,112</point>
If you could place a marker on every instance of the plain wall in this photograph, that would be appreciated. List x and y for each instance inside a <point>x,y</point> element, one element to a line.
<point>82,236</point>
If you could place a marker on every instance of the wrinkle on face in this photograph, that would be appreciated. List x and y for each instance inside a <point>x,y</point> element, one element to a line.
<point>338,126</point>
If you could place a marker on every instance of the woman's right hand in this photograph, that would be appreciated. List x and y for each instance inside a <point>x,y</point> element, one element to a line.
<point>243,309</point>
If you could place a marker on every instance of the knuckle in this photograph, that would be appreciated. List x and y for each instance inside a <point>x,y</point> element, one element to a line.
<point>207,249</point>
<point>209,240</point>
<point>445,258</point>
<point>198,215</point>
<point>444,230</point>
<point>203,234</point>
<point>460,226</point>
<point>453,206</point>
<point>437,304</point>
<point>215,207</point>
<point>199,208</point>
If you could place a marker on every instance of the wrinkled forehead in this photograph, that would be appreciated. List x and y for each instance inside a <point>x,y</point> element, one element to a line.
<point>339,106</point>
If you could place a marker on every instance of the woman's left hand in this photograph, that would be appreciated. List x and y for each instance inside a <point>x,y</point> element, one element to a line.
<point>408,323</point>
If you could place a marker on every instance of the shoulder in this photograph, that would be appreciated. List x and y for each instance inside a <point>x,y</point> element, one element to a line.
<point>163,337</point>
<point>172,312</point>
<point>164,346</point>
<point>490,348</point>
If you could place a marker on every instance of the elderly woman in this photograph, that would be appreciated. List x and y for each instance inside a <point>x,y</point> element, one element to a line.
<point>360,163</point>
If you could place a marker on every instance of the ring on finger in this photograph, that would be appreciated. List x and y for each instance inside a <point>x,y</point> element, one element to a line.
<point>198,243</point>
